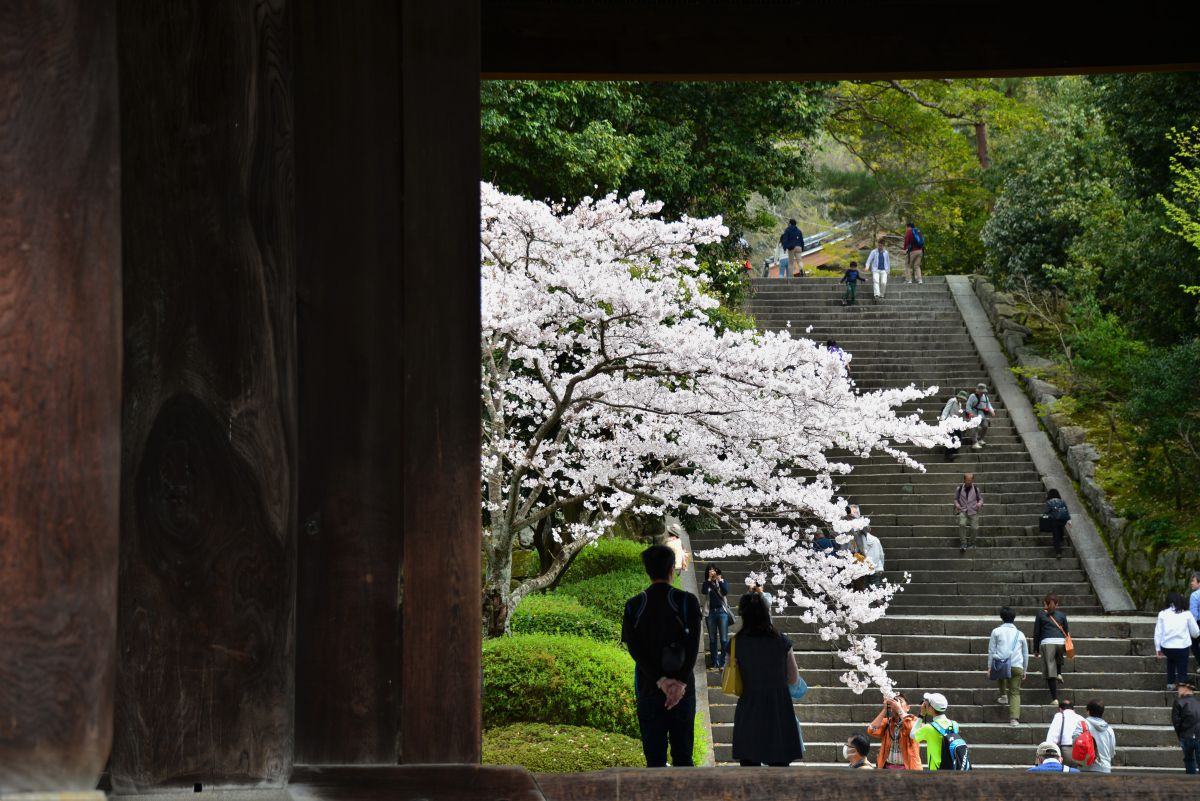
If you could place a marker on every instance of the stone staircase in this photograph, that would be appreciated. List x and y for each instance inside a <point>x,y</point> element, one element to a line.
<point>935,635</point>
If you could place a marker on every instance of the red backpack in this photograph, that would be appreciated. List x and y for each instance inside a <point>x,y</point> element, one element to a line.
<point>1084,748</point>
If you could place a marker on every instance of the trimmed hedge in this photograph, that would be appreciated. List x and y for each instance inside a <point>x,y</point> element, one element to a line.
<point>558,679</point>
<point>546,748</point>
<point>608,555</point>
<point>608,593</point>
<point>555,613</point>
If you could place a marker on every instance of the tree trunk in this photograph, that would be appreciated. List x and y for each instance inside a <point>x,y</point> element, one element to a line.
<point>497,588</point>
<point>981,145</point>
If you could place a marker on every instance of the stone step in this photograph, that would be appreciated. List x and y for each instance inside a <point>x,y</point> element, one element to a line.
<point>1094,666</point>
<point>984,755</point>
<point>736,573</point>
<point>977,645</point>
<point>1126,627</point>
<point>1036,717</point>
<point>1150,689</point>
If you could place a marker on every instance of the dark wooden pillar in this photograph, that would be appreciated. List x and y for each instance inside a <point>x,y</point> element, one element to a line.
<point>347,91</point>
<point>440,175</point>
<point>209,449</point>
<point>60,391</point>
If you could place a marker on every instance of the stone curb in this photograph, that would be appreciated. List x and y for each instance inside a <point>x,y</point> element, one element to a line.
<point>1090,546</point>
<point>690,581</point>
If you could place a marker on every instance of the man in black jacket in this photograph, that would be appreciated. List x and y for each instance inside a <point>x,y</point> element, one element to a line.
<point>792,241</point>
<point>661,626</point>
<point>1185,717</point>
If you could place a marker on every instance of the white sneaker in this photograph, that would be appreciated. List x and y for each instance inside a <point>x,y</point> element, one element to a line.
<point>978,446</point>
<point>1014,722</point>
<point>1002,699</point>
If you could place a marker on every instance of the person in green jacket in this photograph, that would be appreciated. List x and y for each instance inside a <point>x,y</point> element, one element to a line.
<point>933,711</point>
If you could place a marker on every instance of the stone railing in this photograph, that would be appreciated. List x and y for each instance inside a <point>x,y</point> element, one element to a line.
<point>1149,569</point>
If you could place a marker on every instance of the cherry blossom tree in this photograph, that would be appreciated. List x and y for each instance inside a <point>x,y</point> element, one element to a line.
<point>606,391</point>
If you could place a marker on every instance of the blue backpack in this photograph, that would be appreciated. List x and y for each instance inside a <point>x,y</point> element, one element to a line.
<point>917,238</point>
<point>955,753</point>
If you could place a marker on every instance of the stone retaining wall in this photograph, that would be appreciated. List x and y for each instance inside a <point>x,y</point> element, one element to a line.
<point>1149,569</point>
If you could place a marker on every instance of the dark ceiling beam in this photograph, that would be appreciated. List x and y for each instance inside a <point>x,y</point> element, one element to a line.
<point>780,40</point>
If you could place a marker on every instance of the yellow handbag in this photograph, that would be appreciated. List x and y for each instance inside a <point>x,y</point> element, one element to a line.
<point>731,681</point>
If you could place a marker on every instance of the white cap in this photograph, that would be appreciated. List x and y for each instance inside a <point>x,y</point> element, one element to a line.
<point>937,701</point>
<point>1049,750</point>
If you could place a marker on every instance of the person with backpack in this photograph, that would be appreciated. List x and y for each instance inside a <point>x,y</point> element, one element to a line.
<point>1185,717</point>
<point>1050,760</point>
<point>792,241</point>
<point>1058,517</point>
<point>1062,726</point>
<point>980,405</point>
<point>967,502</point>
<point>1008,660</point>
<point>661,627</point>
<point>914,253</point>
<point>945,749</point>
<point>1094,750</point>
<point>1050,630</point>
<point>719,615</point>
<point>952,411</point>
<point>765,731</point>
<point>1173,633</point>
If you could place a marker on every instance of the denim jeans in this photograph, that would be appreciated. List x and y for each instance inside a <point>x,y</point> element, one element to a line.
<point>718,623</point>
<point>1191,753</point>
<point>660,725</point>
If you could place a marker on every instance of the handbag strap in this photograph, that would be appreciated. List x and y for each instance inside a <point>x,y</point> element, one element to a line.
<point>1054,620</point>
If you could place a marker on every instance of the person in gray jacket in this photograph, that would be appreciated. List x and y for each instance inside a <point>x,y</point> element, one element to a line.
<point>1007,644</point>
<point>1106,740</point>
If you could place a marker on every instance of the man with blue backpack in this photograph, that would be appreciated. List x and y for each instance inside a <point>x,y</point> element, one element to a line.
<point>945,749</point>
<point>914,253</point>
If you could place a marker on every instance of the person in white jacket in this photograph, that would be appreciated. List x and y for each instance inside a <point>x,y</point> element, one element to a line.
<point>1008,643</point>
<point>1173,635</point>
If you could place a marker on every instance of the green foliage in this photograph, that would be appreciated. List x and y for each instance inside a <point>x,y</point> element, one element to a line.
<point>541,678</point>
<point>607,555</point>
<point>607,593</point>
<point>555,613</point>
<point>700,147</point>
<point>1184,208</point>
<point>546,748</point>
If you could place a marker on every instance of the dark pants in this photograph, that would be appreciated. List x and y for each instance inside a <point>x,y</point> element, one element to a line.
<point>851,290</point>
<point>1196,652</point>
<point>1059,535</point>
<point>1177,664</point>
<point>660,724</point>
<point>718,637</point>
<point>1191,753</point>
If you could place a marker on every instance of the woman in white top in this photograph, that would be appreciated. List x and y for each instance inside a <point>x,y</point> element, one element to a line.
<point>1008,643</point>
<point>1173,635</point>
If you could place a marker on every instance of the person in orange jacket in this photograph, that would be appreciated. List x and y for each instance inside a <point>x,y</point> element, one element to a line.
<point>893,728</point>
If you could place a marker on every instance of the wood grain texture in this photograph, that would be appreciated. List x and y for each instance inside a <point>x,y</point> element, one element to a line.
<point>207,582</point>
<point>416,783</point>
<point>60,391</point>
<point>442,615</point>
<point>738,40</point>
<point>347,92</point>
<point>842,784</point>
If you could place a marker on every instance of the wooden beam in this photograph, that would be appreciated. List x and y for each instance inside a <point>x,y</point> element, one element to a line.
<point>349,328</point>
<point>797,40</point>
<point>208,461</point>
<point>440,218</point>
<point>60,391</point>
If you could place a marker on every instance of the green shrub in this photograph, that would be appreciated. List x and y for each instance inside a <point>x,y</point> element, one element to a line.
<point>700,735</point>
<point>546,678</point>
<point>608,593</point>
<point>555,613</point>
<point>546,748</point>
<point>608,555</point>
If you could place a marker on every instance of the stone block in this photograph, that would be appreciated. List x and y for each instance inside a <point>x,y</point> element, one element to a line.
<point>1005,310</point>
<point>1051,421</point>
<point>1081,460</point>
<point>1007,324</point>
<point>1038,388</point>
<point>1069,436</point>
<point>1027,358</point>
<point>1006,298</point>
<point>1092,491</point>
<point>1013,340</point>
<point>1116,527</point>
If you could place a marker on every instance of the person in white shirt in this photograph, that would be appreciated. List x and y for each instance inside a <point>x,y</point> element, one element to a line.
<point>878,265</point>
<point>1007,643</point>
<point>1173,634</point>
<point>1062,726</point>
<point>872,550</point>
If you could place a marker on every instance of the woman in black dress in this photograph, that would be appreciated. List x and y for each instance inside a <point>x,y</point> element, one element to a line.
<point>764,724</point>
